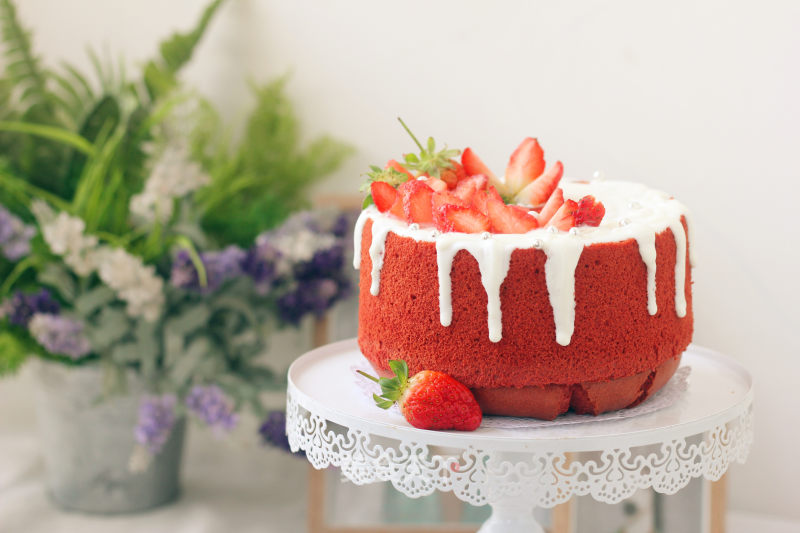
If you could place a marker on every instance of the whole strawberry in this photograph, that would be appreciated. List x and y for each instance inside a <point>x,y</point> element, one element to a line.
<point>429,399</point>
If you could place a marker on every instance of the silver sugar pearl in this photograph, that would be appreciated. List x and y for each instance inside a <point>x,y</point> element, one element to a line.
<point>624,221</point>
<point>552,229</point>
<point>598,175</point>
<point>485,235</point>
<point>537,243</point>
<point>635,205</point>
<point>573,231</point>
<point>414,226</point>
<point>435,233</point>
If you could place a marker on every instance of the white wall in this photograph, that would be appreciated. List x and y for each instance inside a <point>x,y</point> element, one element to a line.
<point>696,98</point>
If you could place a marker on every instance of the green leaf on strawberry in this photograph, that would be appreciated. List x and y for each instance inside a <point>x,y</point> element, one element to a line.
<point>429,161</point>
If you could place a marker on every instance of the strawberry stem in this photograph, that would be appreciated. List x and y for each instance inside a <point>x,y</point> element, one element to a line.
<point>373,378</point>
<point>412,135</point>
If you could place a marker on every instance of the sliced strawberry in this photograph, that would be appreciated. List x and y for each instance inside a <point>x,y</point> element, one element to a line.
<point>383,195</point>
<point>473,165</point>
<point>509,218</point>
<point>435,183</point>
<point>397,207</point>
<point>555,201</point>
<point>398,167</point>
<point>480,199</point>
<point>539,190</point>
<point>525,165</point>
<point>564,217</point>
<point>441,198</point>
<point>454,174</point>
<point>467,188</point>
<point>416,201</point>
<point>590,212</point>
<point>461,219</point>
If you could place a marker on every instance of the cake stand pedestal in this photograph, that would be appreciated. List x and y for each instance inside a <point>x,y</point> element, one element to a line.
<point>516,470</point>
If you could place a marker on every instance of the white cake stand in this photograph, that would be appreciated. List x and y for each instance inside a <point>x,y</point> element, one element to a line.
<point>515,470</point>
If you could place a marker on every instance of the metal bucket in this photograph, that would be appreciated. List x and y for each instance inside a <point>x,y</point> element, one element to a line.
<point>87,442</point>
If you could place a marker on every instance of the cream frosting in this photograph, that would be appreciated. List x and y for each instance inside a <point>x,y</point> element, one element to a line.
<point>633,211</point>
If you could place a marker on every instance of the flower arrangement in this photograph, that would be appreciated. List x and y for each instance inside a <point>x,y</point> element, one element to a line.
<point>134,235</point>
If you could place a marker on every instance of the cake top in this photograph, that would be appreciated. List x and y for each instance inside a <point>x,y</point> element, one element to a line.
<point>433,189</point>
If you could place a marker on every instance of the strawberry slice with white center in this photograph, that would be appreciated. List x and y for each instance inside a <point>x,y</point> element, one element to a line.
<point>564,217</point>
<point>525,165</point>
<point>590,211</point>
<point>509,218</point>
<point>435,183</point>
<point>383,195</point>
<point>467,188</point>
<point>461,219</point>
<point>555,201</point>
<point>417,201</point>
<point>539,190</point>
<point>473,165</point>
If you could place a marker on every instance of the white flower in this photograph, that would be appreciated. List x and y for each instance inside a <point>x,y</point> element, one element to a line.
<point>64,235</point>
<point>134,282</point>
<point>301,246</point>
<point>173,176</point>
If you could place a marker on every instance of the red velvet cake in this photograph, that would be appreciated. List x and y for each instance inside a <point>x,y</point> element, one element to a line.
<point>580,299</point>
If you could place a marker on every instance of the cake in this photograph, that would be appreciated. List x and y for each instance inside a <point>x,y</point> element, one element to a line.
<point>580,299</point>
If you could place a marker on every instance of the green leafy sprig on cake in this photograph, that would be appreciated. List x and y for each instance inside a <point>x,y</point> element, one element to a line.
<point>429,162</point>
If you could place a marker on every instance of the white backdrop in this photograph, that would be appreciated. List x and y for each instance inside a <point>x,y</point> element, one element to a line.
<point>698,99</point>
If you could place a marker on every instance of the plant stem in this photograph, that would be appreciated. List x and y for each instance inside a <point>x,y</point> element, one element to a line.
<point>15,274</point>
<point>412,135</point>
<point>373,378</point>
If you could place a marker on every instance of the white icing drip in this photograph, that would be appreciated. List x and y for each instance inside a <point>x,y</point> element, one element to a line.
<point>680,267</point>
<point>648,211</point>
<point>563,253</point>
<point>357,234</point>
<point>377,250</point>
<point>647,249</point>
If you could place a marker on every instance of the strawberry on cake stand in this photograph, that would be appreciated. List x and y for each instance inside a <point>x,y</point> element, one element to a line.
<point>524,296</point>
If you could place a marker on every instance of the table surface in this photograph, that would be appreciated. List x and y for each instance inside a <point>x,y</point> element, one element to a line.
<point>719,390</point>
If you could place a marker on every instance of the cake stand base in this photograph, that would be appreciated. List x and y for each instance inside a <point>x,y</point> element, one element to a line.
<point>512,516</point>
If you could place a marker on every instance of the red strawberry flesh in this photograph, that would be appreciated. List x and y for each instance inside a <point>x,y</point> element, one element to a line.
<point>564,217</point>
<point>539,190</point>
<point>555,201</point>
<point>383,195</point>
<point>417,201</point>
<point>590,212</point>
<point>461,219</point>
<point>509,218</point>
<point>525,165</point>
<point>473,165</point>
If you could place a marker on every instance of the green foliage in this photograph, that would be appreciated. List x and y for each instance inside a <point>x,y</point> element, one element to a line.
<point>258,183</point>
<point>429,161</point>
<point>13,351</point>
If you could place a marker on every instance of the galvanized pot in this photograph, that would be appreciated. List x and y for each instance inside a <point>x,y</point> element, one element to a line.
<point>88,441</point>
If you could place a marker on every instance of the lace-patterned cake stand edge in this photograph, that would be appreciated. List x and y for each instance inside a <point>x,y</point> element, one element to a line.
<point>516,470</point>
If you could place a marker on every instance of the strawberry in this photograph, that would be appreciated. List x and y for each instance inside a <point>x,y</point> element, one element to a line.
<point>539,190</point>
<point>441,198</point>
<point>479,201</point>
<point>564,218</point>
<point>509,218</point>
<point>383,195</point>
<point>454,174</point>
<point>473,165</point>
<point>525,165</point>
<point>590,212</point>
<point>397,208</point>
<point>428,399</point>
<point>461,219</point>
<point>436,184</point>
<point>555,201</point>
<point>416,201</point>
<point>467,188</point>
<point>400,168</point>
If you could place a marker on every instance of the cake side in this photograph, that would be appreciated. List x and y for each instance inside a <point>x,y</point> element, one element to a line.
<point>614,335</point>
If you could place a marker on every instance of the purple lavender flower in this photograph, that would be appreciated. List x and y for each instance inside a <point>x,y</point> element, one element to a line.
<point>220,267</point>
<point>341,226</point>
<point>273,430</point>
<point>261,264</point>
<point>324,262</point>
<point>59,335</point>
<point>21,307</point>
<point>156,418</point>
<point>15,236</point>
<point>211,406</point>
<point>310,296</point>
